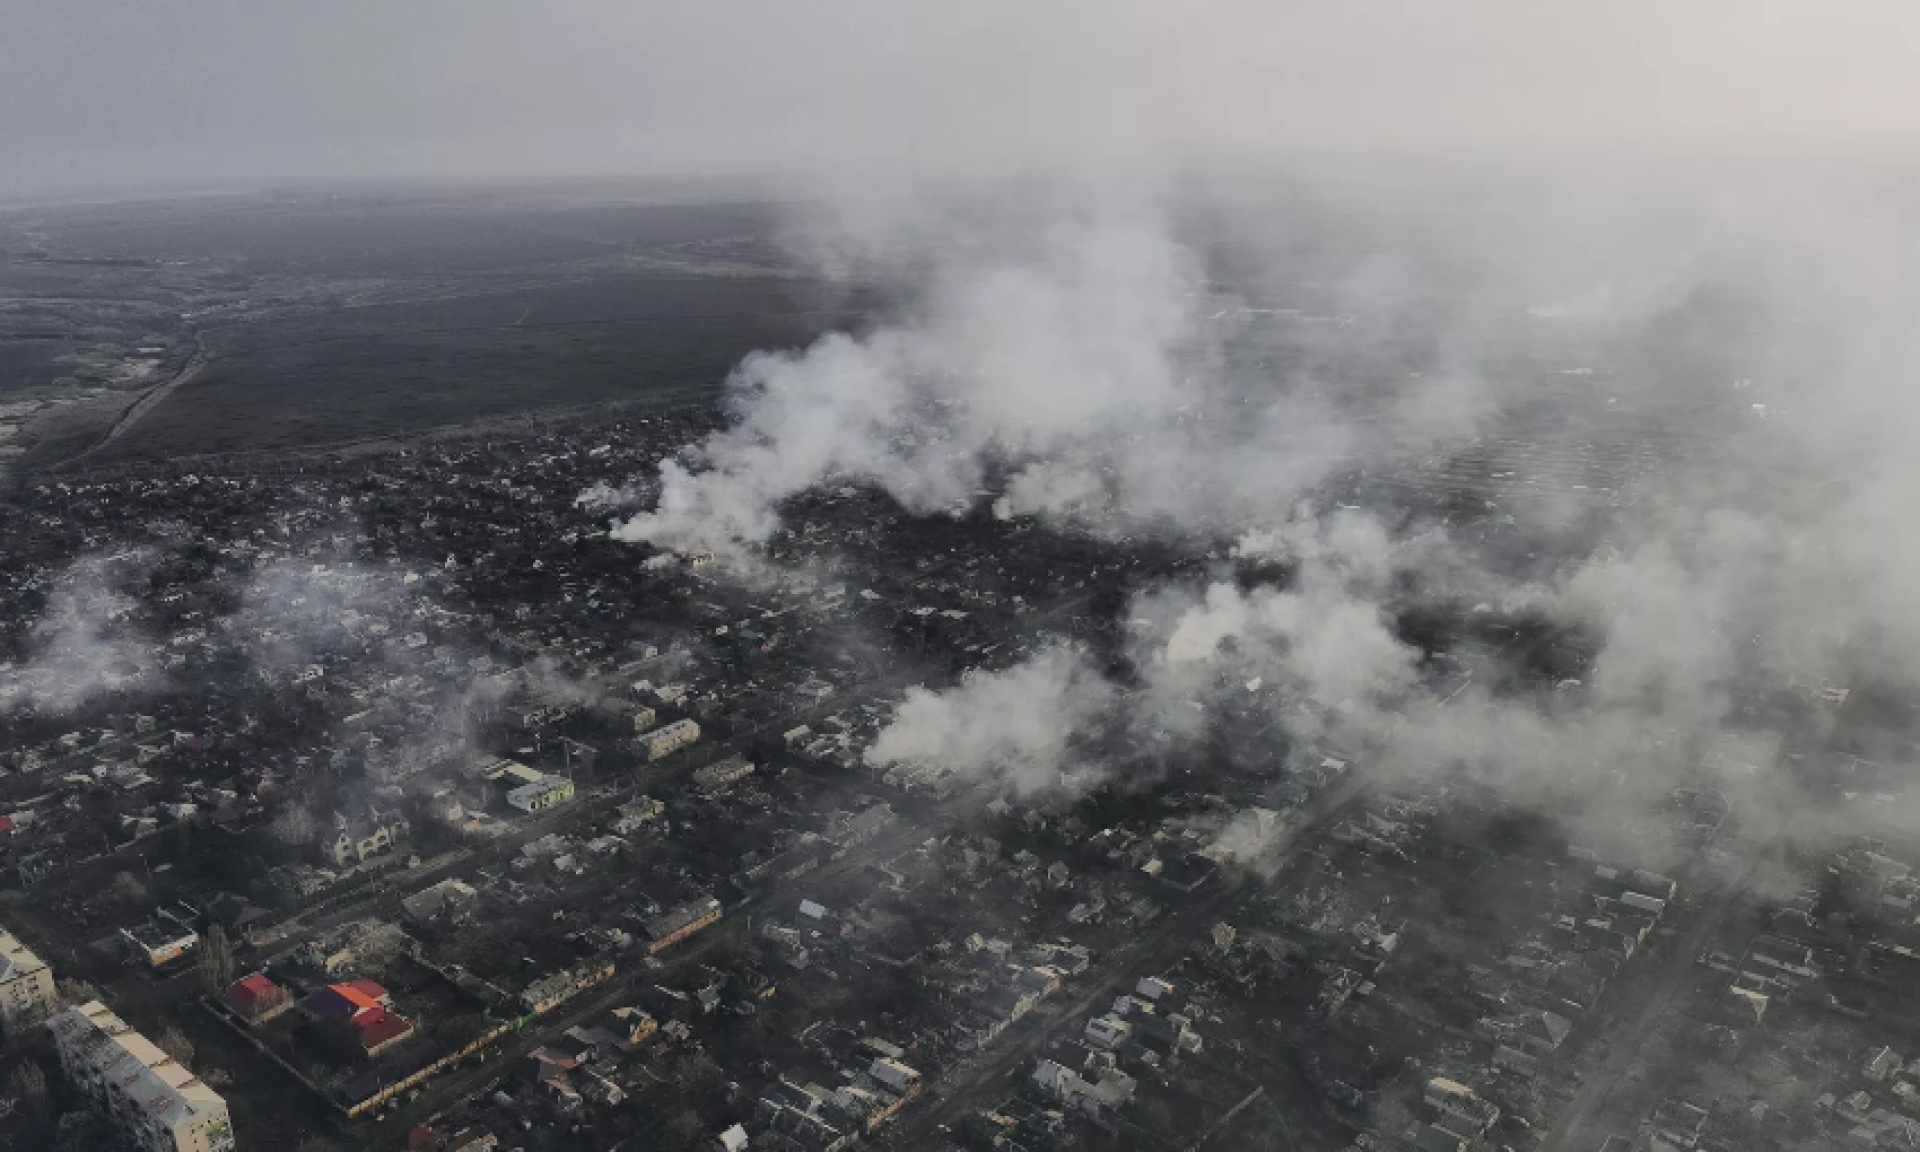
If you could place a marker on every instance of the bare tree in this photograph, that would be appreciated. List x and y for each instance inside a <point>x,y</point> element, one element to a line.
<point>215,961</point>
<point>83,1130</point>
<point>295,825</point>
<point>175,1044</point>
<point>77,991</point>
<point>128,888</point>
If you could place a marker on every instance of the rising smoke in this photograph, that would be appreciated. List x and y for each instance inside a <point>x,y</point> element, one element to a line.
<point>1015,727</point>
<point>87,641</point>
<point>1737,552</point>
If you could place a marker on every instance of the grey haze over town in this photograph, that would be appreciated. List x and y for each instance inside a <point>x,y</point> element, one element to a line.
<point>1057,577</point>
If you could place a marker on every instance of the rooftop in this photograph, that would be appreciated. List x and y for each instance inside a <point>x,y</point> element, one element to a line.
<point>16,959</point>
<point>149,1076</point>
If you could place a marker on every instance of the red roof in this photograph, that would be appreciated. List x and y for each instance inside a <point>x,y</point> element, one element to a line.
<point>253,992</point>
<point>335,1002</point>
<point>369,989</point>
<point>380,1026</point>
<point>357,995</point>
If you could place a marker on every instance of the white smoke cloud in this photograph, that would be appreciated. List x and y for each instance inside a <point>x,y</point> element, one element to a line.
<point>293,612</point>
<point>83,645</point>
<point>602,496</point>
<point>1081,363</point>
<point>1097,378</point>
<point>1051,489</point>
<point>1323,648</point>
<point>1015,726</point>
<point>1070,351</point>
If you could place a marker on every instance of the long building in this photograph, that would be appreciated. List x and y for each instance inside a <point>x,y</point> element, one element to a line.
<point>670,739</point>
<point>26,984</point>
<point>669,928</point>
<point>160,1105</point>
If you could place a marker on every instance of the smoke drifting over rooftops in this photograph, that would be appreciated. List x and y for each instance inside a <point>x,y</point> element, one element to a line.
<point>1102,371</point>
<point>1173,269</point>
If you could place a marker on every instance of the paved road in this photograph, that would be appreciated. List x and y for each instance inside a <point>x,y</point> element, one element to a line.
<point>152,399</point>
<point>1651,1005</point>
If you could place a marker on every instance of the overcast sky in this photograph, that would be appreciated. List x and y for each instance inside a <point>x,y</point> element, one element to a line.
<point>103,95</point>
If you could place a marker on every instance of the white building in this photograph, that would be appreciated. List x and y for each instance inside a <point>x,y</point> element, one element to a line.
<point>352,839</point>
<point>162,1106</point>
<point>26,984</point>
<point>1108,1031</point>
<point>1096,1098</point>
<point>541,794</point>
<point>166,937</point>
<point>670,739</point>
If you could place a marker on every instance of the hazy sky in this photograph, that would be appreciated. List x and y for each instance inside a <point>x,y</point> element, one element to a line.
<point>106,94</point>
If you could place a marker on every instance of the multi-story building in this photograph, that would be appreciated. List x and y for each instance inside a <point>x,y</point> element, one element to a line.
<point>353,839</point>
<point>670,739</point>
<point>159,1105</point>
<point>26,985</point>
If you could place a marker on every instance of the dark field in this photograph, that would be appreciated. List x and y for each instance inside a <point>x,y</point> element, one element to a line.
<point>326,318</point>
<point>351,374</point>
